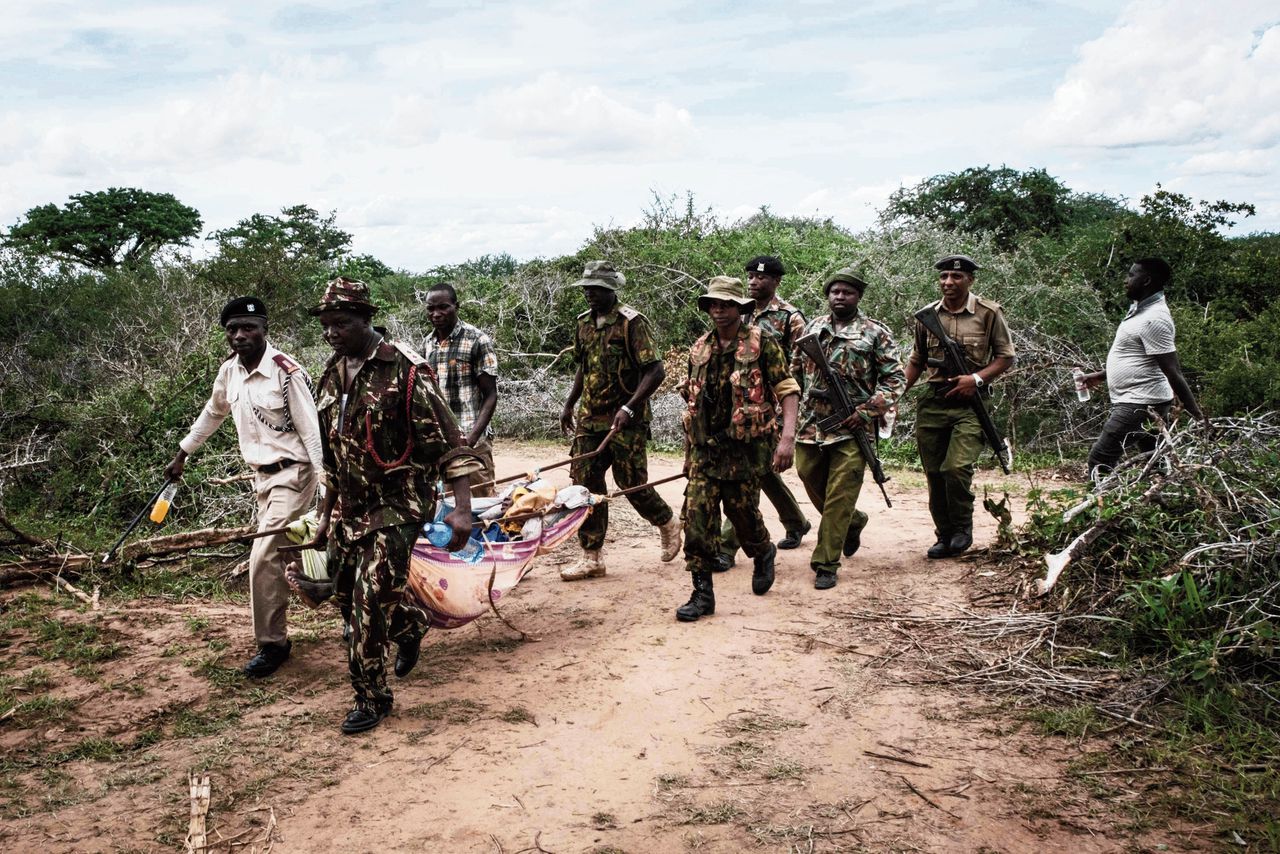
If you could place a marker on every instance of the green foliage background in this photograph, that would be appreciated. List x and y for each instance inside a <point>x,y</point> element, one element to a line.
<point>105,366</point>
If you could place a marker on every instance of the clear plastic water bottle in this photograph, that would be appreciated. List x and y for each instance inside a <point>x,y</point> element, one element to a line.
<point>885,430</point>
<point>1082,391</point>
<point>161,508</point>
<point>440,535</point>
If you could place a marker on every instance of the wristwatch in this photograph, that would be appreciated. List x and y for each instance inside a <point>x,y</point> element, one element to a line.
<point>978,381</point>
<point>627,409</point>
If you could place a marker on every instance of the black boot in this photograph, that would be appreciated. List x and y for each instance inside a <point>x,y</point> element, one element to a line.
<point>852,541</point>
<point>762,577</point>
<point>724,563</point>
<point>961,540</point>
<point>942,548</point>
<point>407,656</point>
<point>269,658</point>
<point>365,716</point>
<point>703,601</point>
<point>793,538</point>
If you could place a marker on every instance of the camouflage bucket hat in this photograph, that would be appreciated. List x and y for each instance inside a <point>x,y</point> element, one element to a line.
<point>728,289</point>
<point>849,275</point>
<point>600,274</point>
<point>343,293</point>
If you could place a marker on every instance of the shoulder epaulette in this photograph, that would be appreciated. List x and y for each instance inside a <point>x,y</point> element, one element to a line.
<point>409,353</point>
<point>286,364</point>
<point>991,304</point>
<point>586,315</point>
<point>628,312</point>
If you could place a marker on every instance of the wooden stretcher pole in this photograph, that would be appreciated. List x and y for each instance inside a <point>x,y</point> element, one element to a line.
<point>603,444</point>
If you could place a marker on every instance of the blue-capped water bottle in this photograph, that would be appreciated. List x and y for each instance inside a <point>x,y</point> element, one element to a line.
<point>440,535</point>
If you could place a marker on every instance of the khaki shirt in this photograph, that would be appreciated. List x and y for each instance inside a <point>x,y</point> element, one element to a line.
<point>979,328</point>
<point>255,401</point>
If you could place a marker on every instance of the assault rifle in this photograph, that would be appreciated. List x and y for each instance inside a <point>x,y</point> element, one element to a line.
<point>842,407</point>
<point>955,363</point>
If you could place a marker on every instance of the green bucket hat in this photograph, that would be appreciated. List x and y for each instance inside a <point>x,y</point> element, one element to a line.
<point>344,293</point>
<point>849,275</point>
<point>728,289</point>
<point>600,274</point>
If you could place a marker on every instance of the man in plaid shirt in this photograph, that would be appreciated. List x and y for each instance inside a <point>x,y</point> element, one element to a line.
<point>466,365</point>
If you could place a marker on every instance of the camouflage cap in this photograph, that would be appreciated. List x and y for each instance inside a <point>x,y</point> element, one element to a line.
<point>600,274</point>
<point>349,294</point>
<point>728,289</point>
<point>849,275</point>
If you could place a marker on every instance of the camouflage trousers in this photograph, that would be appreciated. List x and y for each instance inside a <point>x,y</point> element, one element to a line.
<point>950,441</point>
<point>779,494</point>
<point>832,477</point>
<point>369,580</point>
<point>703,499</point>
<point>626,456</point>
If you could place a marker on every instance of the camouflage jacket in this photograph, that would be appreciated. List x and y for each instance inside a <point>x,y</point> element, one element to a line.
<point>613,352</point>
<point>863,353</point>
<point>731,413</point>
<point>385,455</point>
<point>782,321</point>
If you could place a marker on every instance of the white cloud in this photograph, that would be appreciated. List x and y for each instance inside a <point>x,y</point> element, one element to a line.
<point>1171,73</point>
<point>1252,163</point>
<point>555,115</point>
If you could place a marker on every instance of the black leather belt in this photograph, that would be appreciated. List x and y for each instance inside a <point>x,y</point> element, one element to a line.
<point>272,468</point>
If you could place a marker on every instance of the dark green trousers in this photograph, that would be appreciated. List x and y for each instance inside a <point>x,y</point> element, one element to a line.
<point>789,512</point>
<point>627,457</point>
<point>832,476</point>
<point>950,441</point>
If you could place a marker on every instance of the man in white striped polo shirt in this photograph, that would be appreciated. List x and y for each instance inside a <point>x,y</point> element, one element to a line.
<point>1142,374</point>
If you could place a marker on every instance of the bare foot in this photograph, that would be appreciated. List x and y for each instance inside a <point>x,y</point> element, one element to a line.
<point>312,593</point>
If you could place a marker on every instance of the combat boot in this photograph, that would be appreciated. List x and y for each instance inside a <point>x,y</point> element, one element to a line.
<point>591,565</point>
<point>961,540</point>
<point>762,576</point>
<point>671,535</point>
<point>940,549</point>
<point>703,601</point>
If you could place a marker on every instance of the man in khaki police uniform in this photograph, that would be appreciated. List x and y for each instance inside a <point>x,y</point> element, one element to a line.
<point>947,429</point>
<point>268,396</point>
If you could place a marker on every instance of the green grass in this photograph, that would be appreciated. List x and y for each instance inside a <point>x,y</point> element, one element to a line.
<point>518,715</point>
<point>719,812</point>
<point>453,711</point>
<point>1071,721</point>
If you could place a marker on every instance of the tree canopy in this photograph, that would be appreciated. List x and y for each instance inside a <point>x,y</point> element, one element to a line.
<point>1003,202</point>
<point>107,229</point>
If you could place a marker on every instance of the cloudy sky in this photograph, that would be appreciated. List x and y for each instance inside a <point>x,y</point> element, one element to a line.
<point>445,129</point>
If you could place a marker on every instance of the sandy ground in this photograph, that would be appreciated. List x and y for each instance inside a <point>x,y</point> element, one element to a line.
<point>614,728</point>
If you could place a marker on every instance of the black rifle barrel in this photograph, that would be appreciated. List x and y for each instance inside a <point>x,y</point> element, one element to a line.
<point>955,363</point>
<point>842,407</point>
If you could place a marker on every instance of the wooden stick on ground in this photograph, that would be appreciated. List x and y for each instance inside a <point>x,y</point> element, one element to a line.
<point>197,835</point>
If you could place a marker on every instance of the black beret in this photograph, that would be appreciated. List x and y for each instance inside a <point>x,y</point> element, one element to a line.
<point>957,262</point>
<point>766,264</point>
<point>243,307</point>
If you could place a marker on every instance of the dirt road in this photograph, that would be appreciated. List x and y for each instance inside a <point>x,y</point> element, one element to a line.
<point>776,725</point>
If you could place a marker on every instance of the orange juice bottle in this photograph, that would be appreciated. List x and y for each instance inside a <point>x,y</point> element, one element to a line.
<point>163,503</point>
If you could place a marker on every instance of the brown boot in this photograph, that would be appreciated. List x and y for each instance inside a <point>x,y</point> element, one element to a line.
<point>671,537</point>
<point>591,565</point>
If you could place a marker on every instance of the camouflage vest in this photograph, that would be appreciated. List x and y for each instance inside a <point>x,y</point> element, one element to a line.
<point>754,406</point>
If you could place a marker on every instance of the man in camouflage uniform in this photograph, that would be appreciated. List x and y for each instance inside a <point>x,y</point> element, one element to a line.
<point>861,352</point>
<point>388,435</point>
<point>618,371</point>
<point>737,384</point>
<point>947,430</point>
<point>783,322</point>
